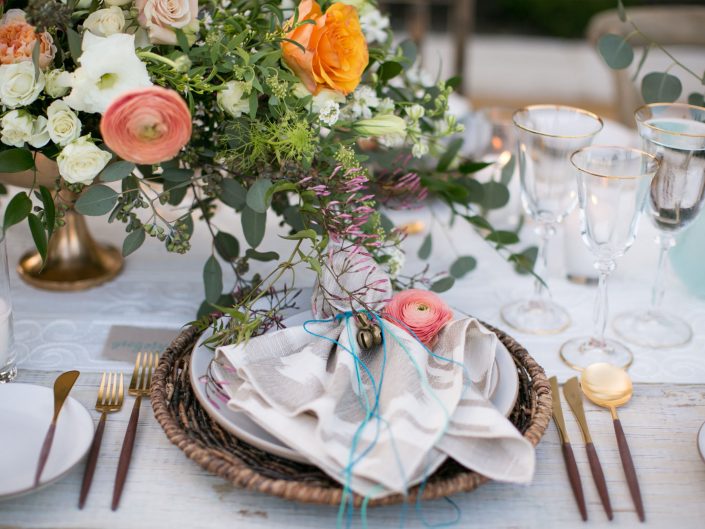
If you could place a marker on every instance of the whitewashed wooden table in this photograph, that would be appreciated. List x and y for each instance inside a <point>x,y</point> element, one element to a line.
<point>56,331</point>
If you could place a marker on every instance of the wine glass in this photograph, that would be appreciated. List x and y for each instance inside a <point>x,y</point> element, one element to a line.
<point>547,136</point>
<point>674,133</point>
<point>613,183</point>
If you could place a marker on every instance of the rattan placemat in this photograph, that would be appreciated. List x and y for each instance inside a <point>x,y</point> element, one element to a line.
<point>189,427</point>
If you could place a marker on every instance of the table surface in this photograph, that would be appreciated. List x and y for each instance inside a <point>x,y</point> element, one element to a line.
<point>56,331</point>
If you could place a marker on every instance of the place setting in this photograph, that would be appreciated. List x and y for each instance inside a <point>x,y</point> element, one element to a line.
<point>264,251</point>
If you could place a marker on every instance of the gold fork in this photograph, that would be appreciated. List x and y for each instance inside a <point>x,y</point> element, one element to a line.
<point>110,397</point>
<point>139,387</point>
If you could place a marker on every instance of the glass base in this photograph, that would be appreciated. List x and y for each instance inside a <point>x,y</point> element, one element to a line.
<point>536,316</point>
<point>580,353</point>
<point>653,328</point>
<point>8,374</point>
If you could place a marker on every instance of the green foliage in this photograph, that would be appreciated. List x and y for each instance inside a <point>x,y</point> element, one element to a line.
<point>253,226</point>
<point>117,171</point>
<point>133,241</point>
<point>426,247</point>
<point>17,210</point>
<point>212,279</point>
<point>443,284</point>
<point>38,234</point>
<point>462,266</point>
<point>659,87</point>
<point>616,51</point>
<point>16,160</point>
<point>96,200</point>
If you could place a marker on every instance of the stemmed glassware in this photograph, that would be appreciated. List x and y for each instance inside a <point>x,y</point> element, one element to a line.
<point>674,133</point>
<point>547,136</point>
<point>613,183</point>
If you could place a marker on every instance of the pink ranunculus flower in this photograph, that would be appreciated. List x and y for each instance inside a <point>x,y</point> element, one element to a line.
<point>161,17</point>
<point>147,126</point>
<point>421,311</point>
<point>18,37</point>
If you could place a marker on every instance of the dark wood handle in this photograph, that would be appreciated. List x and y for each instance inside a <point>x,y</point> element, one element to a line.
<point>92,460</point>
<point>44,452</point>
<point>574,477</point>
<point>126,453</point>
<point>599,477</point>
<point>629,470</point>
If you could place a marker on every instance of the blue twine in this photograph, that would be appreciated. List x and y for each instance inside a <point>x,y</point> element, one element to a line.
<point>373,413</point>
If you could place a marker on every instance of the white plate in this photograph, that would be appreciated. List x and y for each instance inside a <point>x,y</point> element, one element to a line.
<point>504,394</point>
<point>25,415</point>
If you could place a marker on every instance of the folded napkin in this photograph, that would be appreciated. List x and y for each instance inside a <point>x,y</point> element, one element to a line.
<point>383,419</point>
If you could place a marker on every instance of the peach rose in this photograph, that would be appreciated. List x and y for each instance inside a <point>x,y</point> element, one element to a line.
<point>421,311</point>
<point>147,126</point>
<point>17,39</point>
<point>335,53</point>
<point>162,17</point>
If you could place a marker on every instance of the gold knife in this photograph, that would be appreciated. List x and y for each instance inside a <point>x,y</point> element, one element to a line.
<point>62,388</point>
<point>568,456</point>
<point>574,396</point>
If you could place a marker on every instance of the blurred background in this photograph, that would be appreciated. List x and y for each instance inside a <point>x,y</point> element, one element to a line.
<point>517,52</point>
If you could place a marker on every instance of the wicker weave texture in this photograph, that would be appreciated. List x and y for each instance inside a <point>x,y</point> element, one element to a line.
<point>189,427</point>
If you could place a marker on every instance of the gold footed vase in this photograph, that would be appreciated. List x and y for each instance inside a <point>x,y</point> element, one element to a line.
<point>75,261</point>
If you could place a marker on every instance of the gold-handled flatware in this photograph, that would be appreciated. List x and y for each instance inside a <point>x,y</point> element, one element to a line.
<point>571,390</point>
<point>139,387</point>
<point>62,388</point>
<point>610,387</point>
<point>568,456</point>
<point>110,398</point>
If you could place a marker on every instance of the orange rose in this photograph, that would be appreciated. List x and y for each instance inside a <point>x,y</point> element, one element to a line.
<point>17,39</point>
<point>336,50</point>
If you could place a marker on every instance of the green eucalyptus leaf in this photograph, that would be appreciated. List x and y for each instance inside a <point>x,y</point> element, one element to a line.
<point>470,166</point>
<point>228,246</point>
<point>177,192</point>
<point>261,256</point>
<point>696,99</point>
<point>426,247</point>
<point>233,194</point>
<point>621,11</point>
<point>74,44</point>
<point>462,266</point>
<point>257,195</point>
<point>495,195</point>
<point>96,200</point>
<point>508,170</point>
<point>17,210</point>
<point>38,234</point>
<point>49,209</point>
<point>616,51</point>
<point>451,152</point>
<point>409,51</point>
<point>525,260</point>
<point>660,87</point>
<point>15,160</point>
<point>212,279</point>
<point>253,225</point>
<point>303,234</point>
<point>117,171</point>
<point>503,237</point>
<point>478,222</point>
<point>443,284</point>
<point>389,70</point>
<point>177,175</point>
<point>133,241</point>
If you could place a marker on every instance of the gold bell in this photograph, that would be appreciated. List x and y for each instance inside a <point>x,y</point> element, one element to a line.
<point>365,338</point>
<point>376,335</point>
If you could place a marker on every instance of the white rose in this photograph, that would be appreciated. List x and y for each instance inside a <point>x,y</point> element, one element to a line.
<point>16,128</point>
<point>109,68</point>
<point>117,2</point>
<point>64,125</point>
<point>233,99</point>
<point>40,134</point>
<point>105,22</point>
<point>58,83</point>
<point>18,86</point>
<point>81,161</point>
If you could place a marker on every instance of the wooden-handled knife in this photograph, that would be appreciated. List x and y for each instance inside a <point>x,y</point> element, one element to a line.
<point>574,396</point>
<point>568,456</point>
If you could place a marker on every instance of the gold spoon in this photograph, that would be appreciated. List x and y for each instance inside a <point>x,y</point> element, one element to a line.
<point>610,387</point>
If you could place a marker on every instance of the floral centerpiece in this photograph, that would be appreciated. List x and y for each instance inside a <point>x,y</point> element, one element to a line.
<point>161,112</point>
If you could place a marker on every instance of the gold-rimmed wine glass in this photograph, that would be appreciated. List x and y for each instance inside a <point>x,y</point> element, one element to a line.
<point>546,137</point>
<point>613,183</point>
<point>675,133</point>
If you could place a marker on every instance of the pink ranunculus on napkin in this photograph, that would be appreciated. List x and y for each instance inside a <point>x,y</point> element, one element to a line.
<point>312,387</point>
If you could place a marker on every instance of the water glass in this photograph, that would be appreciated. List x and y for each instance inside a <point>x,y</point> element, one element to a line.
<point>8,369</point>
<point>613,184</point>
<point>675,133</point>
<point>547,136</point>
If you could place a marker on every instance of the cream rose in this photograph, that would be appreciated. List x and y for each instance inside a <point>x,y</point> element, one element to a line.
<point>18,85</point>
<point>16,128</point>
<point>117,2</point>
<point>57,83</point>
<point>105,22</point>
<point>233,99</point>
<point>81,161</point>
<point>40,134</point>
<point>63,124</point>
<point>162,17</point>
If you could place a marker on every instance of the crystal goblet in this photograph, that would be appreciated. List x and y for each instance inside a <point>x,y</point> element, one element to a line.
<point>675,133</point>
<point>613,183</point>
<point>547,136</point>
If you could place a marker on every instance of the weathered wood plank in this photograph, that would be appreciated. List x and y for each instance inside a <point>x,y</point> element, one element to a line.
<point>165,489</point>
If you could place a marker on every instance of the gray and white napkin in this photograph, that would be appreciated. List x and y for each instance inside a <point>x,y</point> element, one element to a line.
<point>383,419</point>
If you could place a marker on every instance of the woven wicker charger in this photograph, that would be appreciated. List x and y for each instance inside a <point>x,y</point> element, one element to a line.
<point>189,427</point>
